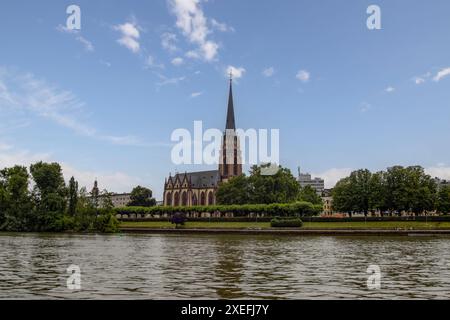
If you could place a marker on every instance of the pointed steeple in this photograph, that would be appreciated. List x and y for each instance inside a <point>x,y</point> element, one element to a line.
<point>230,113</point>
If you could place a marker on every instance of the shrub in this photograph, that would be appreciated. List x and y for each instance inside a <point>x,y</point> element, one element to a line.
<point>178,219</point>
<point>286,223</point>
<point>271,210</point>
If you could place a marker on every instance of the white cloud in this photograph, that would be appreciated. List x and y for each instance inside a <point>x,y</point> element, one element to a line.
<point>418,80</point>
<point>268,72</point>
<point>88,46</point>
<point>34,96</point>
<point>303,75</point>
<point>177,61</point>
<point>112,181</point>
<point>332,176</point>
<point>168,41</point>
<point>130,36</point>
<point>196,94</point>
<point>236,72</point>
<point>389,89</point>
<point>150,63</point>
<point>442,74</point>
<point>169,81</point>
<point>365,107</point>
<point>223,27</point>
<point>193,24</point>
<point>439,171</point>
<point>5,147</point>
<point>105,63</point>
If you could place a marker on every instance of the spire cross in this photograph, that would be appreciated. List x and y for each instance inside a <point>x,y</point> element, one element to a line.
<point>231,75</point>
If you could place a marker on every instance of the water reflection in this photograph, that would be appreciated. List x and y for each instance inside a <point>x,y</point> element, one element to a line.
<point>222,266</point>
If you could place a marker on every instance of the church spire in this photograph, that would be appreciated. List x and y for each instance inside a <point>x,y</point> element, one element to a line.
<point>230,113</point>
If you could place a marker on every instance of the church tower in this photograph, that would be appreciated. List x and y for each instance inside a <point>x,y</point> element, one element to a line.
<point>230,164</point>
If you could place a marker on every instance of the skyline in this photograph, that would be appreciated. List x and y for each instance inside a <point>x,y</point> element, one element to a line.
<point>103,101</point>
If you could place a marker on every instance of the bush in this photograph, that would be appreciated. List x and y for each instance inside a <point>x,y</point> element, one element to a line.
<point>106,223</point>
<point>286,223</point>
<point>271,210</point>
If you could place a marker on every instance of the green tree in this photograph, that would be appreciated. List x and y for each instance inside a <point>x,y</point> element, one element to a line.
<point>377,196</point>
<point>49,194</point>
<point>360,190</point>
<point>342,196</point>
<point>308,194</point>
<point>258,188</point>
<point>235,191</point>
<point>141,197</point>
<point>15,200</point>
<point>443,202</point>
<point>73,197</point>
<point>281,187</point>
<point>421,190</point>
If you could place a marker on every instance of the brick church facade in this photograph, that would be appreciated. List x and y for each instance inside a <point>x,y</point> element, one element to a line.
<point>199,188</point>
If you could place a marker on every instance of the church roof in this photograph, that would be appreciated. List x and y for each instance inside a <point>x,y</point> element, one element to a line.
<point>201,179</point>
<point>230,112</point>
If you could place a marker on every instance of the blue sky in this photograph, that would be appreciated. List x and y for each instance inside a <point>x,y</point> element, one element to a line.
<point>104,101</point>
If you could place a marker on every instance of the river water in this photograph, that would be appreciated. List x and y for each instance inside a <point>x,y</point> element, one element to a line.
<point>34,266</point>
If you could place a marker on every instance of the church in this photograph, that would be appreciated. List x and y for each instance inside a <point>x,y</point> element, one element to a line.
<point>199,188</point>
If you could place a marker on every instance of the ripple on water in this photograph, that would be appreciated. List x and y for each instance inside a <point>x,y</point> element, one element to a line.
<point>222,266</point>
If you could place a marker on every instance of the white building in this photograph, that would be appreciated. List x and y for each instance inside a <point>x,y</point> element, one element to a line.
<point>305,179</point>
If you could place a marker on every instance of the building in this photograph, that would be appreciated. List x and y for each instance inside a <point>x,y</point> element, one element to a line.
<point>118,199</point>
<point>327,205</point>
<point>304,179</point>
<point>441,183</point>
<point>199,188</point>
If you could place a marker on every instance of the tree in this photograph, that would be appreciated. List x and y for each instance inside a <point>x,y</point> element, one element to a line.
<point>141,197</point>
<point>281,187</point>
<point>15,202</point>
<point>443,202</point>
<point>49,194</point>
<point>377,196</point>
<point>235,191</point>
<point>73,196</point>
<point>421,190</point>
<point>308,194</point>
<point>106,200</point>
<point>360,190</point>
<point>342,196</point>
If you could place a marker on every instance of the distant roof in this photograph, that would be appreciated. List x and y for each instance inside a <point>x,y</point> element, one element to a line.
<point>200,179</point>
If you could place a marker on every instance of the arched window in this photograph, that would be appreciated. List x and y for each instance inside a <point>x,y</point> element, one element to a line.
<point>202,199</point>
<point>210,198</point>
<point>194,200</point>
<point>169,199</point>
<point>184,199</point>
<point>176,201</point>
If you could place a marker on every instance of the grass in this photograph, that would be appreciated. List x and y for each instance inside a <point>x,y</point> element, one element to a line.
<point>414,225</point>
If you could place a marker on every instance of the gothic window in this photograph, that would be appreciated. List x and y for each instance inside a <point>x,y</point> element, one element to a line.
<point>184,199</point>
<point>169,199</point>
<point>194,200</point>
<point>210,198</point>
<point>202,199</point>
<point>176,199</point>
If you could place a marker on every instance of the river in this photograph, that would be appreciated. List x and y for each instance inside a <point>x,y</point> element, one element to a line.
<point>131,266</point>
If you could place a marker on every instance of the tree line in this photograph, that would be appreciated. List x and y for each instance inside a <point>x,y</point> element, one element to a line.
<point>394,191</point>
<point>39,200</point>
<point>258,188</point>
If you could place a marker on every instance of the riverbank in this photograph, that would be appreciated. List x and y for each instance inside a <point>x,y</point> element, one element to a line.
<point>309,228</point>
